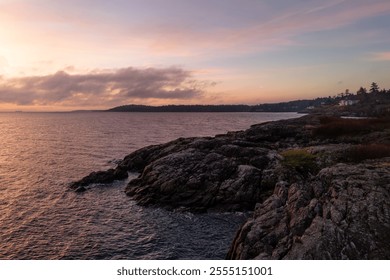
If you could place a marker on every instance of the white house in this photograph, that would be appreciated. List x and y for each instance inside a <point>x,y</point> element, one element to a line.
<point>348,102</point>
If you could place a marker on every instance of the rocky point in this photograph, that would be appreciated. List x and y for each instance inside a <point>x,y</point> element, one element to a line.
<point>318,186</point>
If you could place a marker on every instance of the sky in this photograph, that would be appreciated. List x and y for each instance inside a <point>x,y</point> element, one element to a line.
<point>82,54</point>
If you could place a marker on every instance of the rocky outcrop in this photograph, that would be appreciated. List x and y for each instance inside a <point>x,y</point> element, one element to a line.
<point>222,173</point>
<point>102,177</point>
<point>313,197</point>
<point>342,213</point>
<point>208,175</point>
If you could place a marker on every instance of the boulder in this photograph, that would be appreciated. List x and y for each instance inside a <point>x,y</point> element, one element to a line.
<point>199,180</point>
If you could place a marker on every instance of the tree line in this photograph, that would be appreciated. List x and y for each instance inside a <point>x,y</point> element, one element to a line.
<point>362,94</point>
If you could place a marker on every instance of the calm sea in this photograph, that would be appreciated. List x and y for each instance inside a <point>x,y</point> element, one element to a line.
<point>40,218</point>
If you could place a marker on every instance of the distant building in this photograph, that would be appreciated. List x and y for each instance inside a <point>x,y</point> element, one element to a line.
<point>348,102</point>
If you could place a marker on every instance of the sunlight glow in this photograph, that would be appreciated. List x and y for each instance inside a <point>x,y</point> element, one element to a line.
<point>251,53</point>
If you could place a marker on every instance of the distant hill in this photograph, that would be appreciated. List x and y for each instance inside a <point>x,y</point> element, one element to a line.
<point>364,103</point>
<point>291,106</point>
<point>182,108</point>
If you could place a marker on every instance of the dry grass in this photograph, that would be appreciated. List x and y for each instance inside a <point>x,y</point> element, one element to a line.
<point>333,127</point>
<point>359,153</point>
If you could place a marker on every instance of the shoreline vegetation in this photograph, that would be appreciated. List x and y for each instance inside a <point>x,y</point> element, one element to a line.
<point>319,185</point>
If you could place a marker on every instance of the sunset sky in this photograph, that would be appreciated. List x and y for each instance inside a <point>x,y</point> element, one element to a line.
<point>84,54</point>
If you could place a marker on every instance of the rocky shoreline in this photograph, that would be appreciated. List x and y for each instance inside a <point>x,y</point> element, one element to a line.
<point>318,186</point>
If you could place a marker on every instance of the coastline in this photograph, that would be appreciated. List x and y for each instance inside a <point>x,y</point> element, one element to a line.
<point>302,177</point>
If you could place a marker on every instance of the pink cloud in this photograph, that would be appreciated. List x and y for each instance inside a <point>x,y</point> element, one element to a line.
<point>103,87</point>
<point>381,56</point>
<point>298,21</point>
<point>97,30</point>
<point>265,34</point>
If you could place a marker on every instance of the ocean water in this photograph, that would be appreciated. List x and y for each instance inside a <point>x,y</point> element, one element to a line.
<point>42,153</point>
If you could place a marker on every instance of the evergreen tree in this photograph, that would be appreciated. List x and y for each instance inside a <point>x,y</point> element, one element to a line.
<point>361,91</point>
<point>374,88</point>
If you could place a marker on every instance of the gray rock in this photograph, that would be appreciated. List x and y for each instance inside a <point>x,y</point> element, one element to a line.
<point>100,177</point>
<point>348,217</point>
<point>195,180</point>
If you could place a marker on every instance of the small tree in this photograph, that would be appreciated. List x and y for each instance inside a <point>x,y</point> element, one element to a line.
<point>362,91</point>
<point>374,88</point>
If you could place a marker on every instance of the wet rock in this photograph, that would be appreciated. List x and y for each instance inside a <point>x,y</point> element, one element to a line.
<point>100,177</point>
<point>80,189</point>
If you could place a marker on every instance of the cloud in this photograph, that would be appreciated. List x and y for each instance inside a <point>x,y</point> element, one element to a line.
<point>276,25</point>
<point>380,56</point>
<point>102,87</point>
<point>316,16</point>
<point>183,28</point>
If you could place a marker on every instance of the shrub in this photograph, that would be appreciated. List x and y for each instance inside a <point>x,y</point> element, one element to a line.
<point>333,127</point>
<point>300,160</point>
<point>359,153</point>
